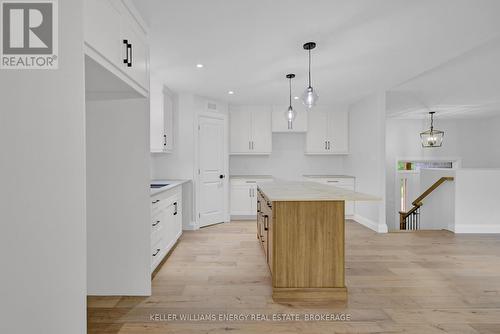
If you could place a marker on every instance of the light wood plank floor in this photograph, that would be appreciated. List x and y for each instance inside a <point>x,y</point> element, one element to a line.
<point>422,282</point>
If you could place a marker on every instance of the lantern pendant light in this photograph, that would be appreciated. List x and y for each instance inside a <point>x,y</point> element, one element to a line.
<point>309,97</point>
<point>290,114</point>
<point>432,137</point>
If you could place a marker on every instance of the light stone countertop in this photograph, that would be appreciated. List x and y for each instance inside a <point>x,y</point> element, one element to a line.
<point>318,176</point>
<point>310,191</point>
<point>251,177</point>
<point>171,184</point>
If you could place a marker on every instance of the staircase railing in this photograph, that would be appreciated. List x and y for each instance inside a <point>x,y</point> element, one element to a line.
<point>411,220</point>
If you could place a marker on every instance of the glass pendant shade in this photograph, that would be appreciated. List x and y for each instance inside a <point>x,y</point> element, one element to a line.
<point>309,97</point>
<point>290,115</point>
<point>432,137</point>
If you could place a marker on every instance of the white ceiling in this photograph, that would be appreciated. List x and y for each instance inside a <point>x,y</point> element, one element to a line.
<point>363,45</point>
<point>465,87</point>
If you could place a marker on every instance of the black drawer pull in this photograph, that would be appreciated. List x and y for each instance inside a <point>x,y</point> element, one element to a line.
<point>266,222</point>
<point>156,223</point>
<point>154,202</point>
<point>157,251</point>
<point>175,204</point>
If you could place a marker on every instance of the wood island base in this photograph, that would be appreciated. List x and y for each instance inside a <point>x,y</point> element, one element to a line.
<point>301,229</point>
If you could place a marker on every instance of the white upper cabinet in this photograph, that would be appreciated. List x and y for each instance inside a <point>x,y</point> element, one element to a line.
<point>280,123</point>
<point>135,51</point>
<point>328,132</point>
<point>116,39</point>
<point>250,130</point>
<point>162,104</point>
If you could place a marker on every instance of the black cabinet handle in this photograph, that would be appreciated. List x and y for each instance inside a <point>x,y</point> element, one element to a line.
<point>157,251</point>
<point>266,222</point>
<point>175,204</point>
<point>154,202</point>
<point>128,59</point>
<point>164,140</point>
<point>156,223</point>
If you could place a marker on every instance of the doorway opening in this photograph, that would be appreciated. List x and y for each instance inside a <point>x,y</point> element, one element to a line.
<point>408,181</point>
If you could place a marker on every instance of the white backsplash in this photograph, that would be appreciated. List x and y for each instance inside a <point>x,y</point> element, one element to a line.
<point>287,160</point>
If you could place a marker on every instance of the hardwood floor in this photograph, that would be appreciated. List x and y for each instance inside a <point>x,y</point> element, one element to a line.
<point>421,282</point>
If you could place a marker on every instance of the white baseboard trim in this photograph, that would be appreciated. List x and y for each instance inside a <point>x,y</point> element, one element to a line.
<point>372,225</point>
<point>191,227</point>
<point>477,228</point>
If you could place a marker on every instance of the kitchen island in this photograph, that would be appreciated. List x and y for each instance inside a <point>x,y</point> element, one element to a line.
<point>301,228</point>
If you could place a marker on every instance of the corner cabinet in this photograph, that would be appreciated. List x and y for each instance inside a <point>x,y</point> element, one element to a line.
<point>327,133</point>
<point>162,104</point>
<point>243,196</point>
<point>116,39</point>
<point>250,131</point>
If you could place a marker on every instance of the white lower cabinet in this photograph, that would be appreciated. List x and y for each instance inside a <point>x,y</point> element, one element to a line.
<point>244,197</point>
<point>166,223</point>
<point>348,183</point>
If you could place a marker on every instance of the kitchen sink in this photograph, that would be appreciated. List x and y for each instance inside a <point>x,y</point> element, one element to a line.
<point>159,185</point>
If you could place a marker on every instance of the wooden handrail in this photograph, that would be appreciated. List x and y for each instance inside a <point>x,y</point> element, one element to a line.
<point>431,189</point>
<point>418,202</point>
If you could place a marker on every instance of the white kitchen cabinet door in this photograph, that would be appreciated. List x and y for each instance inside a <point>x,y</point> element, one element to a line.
<point>327,133</point>
<point>317,132</point>
<point>162,103</point>
<point>280,123</point>
<point>261,133</point>
<point>135,52</point>
<point>241,200</point>
<point>240,132</point>
<point>102,29</point>
<point>116,41</point>
<point>338,133</point>
<point>168,121</point>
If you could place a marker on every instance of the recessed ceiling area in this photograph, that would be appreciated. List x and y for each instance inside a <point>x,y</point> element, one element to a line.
<point>362,46</point>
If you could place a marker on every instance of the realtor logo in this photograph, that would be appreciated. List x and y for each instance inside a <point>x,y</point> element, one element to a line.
<point>29,34</point>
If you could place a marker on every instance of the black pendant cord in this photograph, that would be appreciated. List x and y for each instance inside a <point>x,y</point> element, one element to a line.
<point>309,67</point>
<point>290,91</point>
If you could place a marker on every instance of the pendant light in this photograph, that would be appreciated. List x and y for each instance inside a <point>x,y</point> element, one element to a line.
<point>290,114</point>
<point>431,137</point>
<point>309,97</point>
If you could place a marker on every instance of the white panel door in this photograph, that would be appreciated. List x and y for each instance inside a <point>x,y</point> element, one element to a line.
<point>261,132</point>
<point>240,128</point>
<point>338,123</point>
<point>317,132</point>
<point>212,178</point>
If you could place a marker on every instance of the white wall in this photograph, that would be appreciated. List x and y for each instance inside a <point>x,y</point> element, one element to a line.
<point>181,163</point>
<point>438,209</point>
<point>366,158</point>
<point>287,160</point>
<point>118,198</point>
<point>475,141</point>
<point>42,192</point>
<point>476,201</point>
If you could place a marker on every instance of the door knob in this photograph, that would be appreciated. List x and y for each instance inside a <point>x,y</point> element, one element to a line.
<point>222,176</point>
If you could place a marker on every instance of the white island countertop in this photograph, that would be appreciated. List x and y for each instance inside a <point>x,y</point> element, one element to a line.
<point>171,184</point>
<point>310,191</point>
